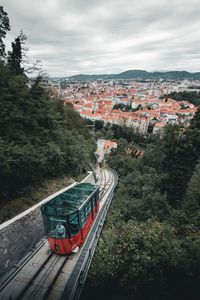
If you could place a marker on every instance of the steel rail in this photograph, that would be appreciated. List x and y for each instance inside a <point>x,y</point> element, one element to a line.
<point>50,287</point>
<point>104,180</point>
<point>108,183</point>
<point>39,286</point>
<point>30,282</point>
<point>7,278</point>
<point>44,278</point>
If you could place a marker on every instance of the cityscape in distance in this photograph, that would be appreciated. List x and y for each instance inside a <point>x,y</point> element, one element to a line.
<point>137,99</point>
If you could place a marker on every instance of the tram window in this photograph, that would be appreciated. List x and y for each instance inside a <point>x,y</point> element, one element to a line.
<point>74,224</point>
<point>82,216</point>
<point>55,227</point>
<point>61,230</point>
<point>87,209</point>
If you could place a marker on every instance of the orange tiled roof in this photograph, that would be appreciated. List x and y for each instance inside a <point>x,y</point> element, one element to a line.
<point>116,111</point>
<point>159,125</point>
<point>108,144</point>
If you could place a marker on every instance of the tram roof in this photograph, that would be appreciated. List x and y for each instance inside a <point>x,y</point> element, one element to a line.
<point>69,201</point>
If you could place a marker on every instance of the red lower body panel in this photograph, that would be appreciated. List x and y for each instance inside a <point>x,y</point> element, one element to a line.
<point>65,246</point>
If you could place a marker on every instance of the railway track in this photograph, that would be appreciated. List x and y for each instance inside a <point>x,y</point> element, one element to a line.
<point>102,181</point>
<point>40,278</point>
<point>78,276</point>
<point>107,183</point>
<point>37,278</point>
<point>42,282</point>
<point>32,282</point>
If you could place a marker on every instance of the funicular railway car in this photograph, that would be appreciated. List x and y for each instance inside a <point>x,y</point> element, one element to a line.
<point>101,163</point>
<point>68,217</point>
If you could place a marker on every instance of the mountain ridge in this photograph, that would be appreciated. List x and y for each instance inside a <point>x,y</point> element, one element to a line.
<point>140,74</point>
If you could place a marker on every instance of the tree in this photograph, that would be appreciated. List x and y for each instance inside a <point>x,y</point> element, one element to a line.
<point>15,56</point>
<point>172,157</point>
<point>39,138</point>
<point>192,97</point>
<point>4,27</point>
<point>98,124</point>
<point>144,261</point>
<point>195,122</point>
<point>191,203</point>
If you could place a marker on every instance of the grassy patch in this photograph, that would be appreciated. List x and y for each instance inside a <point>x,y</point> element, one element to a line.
<point>32,196</point>
<point>80,177</point>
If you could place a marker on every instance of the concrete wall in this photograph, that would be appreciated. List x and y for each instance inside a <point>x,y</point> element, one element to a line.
<point>19,237</point>
<point>20,234</point>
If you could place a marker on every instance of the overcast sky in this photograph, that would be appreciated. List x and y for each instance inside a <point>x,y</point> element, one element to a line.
<point>108,36</point>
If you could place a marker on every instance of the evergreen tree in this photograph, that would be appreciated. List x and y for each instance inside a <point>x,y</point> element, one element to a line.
<point>4,27</point>
<point>176,163</point>
<point>39,138</point>
<point>191,202</point>
<point>15,56</point>
<point>195,122</point>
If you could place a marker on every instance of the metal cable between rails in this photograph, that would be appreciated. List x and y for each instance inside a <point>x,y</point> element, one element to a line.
<point>50,287</point>
<point>30,282</point>
<point>34,288</point>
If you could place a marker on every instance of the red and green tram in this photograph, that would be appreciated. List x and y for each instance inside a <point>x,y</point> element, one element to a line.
<point>68,217</point>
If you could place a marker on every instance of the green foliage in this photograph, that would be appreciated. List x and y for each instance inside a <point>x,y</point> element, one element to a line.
<point>72,119</point>
<point>174,156</point>
<point>191,202</point>
<point>123,107</point>
<point>39,136</point>
<point>141,76</point>
<point>4,27</point>
<point>144,261</point>
<point>126,107</point>
<point>128,134</point>
<point>98,124</point>
<point>177,163</point>
<point>15,57</point>
<point>110,132</point>
<point>191,97</point>
<point>151,241</point>
<point>195,122</point>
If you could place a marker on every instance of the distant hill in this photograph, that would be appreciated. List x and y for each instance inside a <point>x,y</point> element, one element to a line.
<point>89,77</point>
<point>142,75</point>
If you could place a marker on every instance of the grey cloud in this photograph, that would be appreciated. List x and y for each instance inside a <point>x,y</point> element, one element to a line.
<point>109,35</point>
